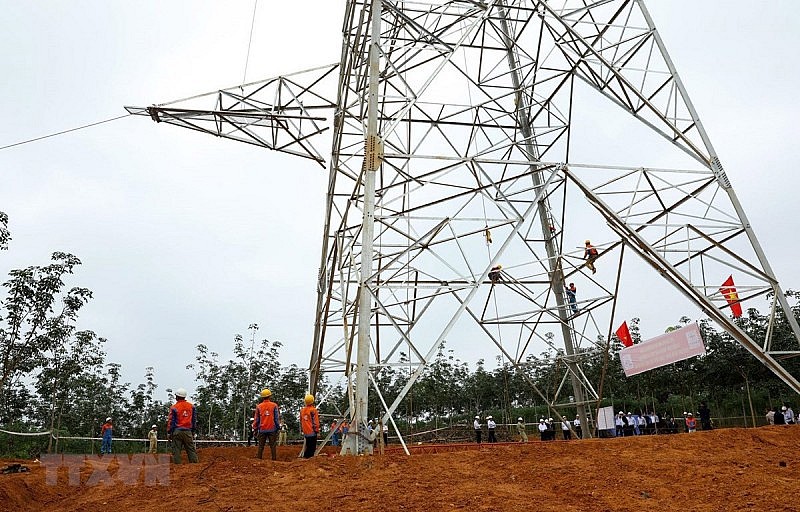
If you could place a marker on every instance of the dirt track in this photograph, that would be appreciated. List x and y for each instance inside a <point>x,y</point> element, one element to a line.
<point>732,469</point>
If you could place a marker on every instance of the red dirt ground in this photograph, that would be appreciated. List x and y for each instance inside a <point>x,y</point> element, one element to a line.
<point>731,469</point>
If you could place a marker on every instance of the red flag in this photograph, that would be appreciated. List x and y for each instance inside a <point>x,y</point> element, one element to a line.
<point>624,335</point>
<point>729,291</point>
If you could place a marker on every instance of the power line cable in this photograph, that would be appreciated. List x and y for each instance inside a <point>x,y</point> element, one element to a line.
<point>249,41</point>
<point>63,132</point>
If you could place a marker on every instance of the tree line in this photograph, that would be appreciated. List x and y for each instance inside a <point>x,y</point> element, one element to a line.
<point>58,378</point>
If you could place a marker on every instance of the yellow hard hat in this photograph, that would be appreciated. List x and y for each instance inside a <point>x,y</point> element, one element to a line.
<point>265,393</point>
<point>309,399</point>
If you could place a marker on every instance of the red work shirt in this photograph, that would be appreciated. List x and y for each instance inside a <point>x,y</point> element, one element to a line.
<point>181,417</point>
<point>266,417</point>
<point>309,421</point>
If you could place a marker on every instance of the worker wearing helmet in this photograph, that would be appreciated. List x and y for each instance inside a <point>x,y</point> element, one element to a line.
<point>105,432</point>
<point>152,436</point>
<point>571,292</point>
<point>691,423</point>
<point>523,436</point>
<point>181,427</point>
<point>565,431</point>
<point>282,432</point>
<point>496,273</point>
<point>620,421</point>
<point>309,424</point>
<point>491,426</point>
<point>476,425</point>
<point>266,420</point>
<point>576,424</point>
<point>590,254</point>
<point>542,430</point>
<point>788,414</point>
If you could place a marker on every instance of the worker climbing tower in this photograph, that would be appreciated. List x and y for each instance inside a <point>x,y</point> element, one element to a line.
<point>456,152</point>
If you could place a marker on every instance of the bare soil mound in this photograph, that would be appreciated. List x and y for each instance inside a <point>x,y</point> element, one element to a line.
<point>731,469</point>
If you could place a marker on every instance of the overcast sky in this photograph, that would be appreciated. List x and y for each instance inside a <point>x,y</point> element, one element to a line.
<point>187,239</point>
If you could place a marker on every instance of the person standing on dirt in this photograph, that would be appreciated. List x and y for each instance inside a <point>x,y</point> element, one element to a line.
<point>282,430</point>
<point>576,424</point>
<point>788,414</point>
<point>705,416</point>
<point>335,437</point>
<point>491,426</point>
<point>265,423</point>
<point>770,415</point>
<point>523,436</point>
<point>620,422</point>
<point>105,432</point>
<point>153,437</point>
<point>181,427</point>
<point>476,426</point>
<point>542,430</point>
<point>565,429</point>
<point>691,423</point>
<point>309,424</point>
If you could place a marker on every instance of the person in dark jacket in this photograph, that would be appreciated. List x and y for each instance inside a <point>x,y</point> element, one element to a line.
<point>705,416</point>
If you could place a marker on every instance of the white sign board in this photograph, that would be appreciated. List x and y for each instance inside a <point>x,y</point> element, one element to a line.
<point>605,418</point>
<point>662,350</point>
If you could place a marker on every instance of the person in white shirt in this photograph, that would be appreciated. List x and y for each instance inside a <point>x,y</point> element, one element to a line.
<point>542,429</point>
<point>576,424</point>
<point>565,429</point>
<point>491,426</point>
<point>476,425</point>
<point>788,415</point>
<point>619,422</point>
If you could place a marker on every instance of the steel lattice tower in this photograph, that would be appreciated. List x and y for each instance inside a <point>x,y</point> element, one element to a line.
<point>450,126</point>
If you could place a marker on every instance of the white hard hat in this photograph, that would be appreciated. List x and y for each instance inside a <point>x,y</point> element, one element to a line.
<point>488,417</point>
<point>520,419</point>
<point>477,417</point>
<point>181,393</point>
<point>783,408</point>
<point>108,419</point>
<point>154,426</point>
<point>549,419</point>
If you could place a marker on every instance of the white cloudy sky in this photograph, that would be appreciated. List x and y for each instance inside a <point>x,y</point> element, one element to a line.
<point>186,239</point>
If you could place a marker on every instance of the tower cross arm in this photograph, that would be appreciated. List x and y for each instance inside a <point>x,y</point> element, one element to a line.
<point>287,113</point>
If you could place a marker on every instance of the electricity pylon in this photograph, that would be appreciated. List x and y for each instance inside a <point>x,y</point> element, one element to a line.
<point>451,128</point>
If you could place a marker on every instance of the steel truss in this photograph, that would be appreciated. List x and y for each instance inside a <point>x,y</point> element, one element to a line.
<point>450,154</point>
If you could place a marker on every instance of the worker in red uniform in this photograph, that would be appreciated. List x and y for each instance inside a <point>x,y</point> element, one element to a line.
<point>309,425</point>
<point>266,423</point>
<point>590,254</point>
<point>691,423</point>
<point>181,427</point>
<point>105,432</point>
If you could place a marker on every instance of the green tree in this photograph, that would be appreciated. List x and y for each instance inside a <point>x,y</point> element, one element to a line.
<point>29,325</point>
<point>5,234</point>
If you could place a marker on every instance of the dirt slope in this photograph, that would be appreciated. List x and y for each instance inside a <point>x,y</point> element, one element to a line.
<point>732,469</point>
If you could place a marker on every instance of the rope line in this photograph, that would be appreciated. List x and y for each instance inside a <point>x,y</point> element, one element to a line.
<point>25,433</point>
<point>63,132</point>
